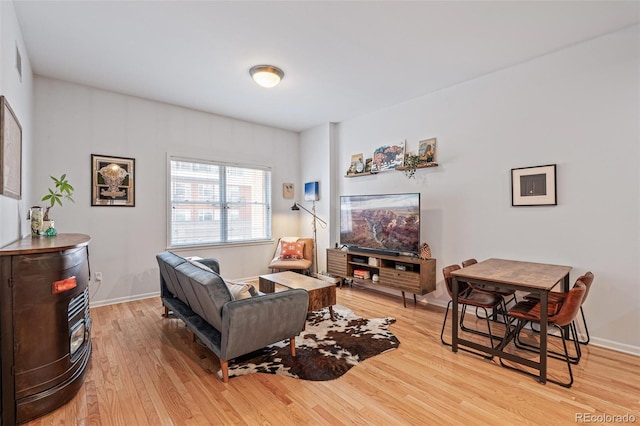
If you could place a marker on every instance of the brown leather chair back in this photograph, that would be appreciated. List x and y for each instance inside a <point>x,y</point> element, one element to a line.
<point>448,279</point>
<point>468,262</point>
<point>587,279</point>
<point>571,305</point>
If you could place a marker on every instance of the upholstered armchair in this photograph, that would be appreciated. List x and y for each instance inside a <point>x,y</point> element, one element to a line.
<point>297,255</point>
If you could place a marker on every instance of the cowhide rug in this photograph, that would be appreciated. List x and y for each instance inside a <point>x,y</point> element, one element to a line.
<point>325,350</point>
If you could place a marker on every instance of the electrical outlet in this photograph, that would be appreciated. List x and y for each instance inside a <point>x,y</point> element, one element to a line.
<point>98,276</point>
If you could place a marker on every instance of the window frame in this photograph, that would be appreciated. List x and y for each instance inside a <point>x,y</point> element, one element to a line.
<point>222,193</point>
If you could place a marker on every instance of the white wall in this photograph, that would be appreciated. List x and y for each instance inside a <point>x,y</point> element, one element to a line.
<point>315,154</point>
<point>72,122</point>
<point>577,108</point>
<point>19,94</point>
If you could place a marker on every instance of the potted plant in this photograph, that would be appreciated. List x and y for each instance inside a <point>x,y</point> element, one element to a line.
<point>411,162</point>
<point>62,189</point>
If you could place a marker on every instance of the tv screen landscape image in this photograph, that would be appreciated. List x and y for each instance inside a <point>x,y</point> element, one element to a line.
<point>386,223</point>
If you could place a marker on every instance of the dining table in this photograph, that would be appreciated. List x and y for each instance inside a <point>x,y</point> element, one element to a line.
<point>534,278</point>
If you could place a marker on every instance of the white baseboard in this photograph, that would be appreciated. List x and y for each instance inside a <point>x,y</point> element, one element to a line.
<point>123,299</point>
<point>615,346</point>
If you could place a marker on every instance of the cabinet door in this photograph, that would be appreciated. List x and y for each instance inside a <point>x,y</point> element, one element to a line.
<point>337,263</point>
<point>402,280</point>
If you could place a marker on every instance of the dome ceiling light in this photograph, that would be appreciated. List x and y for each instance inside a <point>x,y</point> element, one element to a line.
<point>266,75</point>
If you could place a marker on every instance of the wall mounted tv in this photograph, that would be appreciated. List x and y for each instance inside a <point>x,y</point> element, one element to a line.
<point>385,224</point>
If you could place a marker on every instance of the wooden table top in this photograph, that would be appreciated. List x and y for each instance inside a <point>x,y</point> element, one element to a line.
<point>294,280</point>
<point>44,244</point>
<point>534,275</point>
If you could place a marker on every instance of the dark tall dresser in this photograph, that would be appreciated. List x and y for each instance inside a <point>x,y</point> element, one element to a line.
<point>45,327</point>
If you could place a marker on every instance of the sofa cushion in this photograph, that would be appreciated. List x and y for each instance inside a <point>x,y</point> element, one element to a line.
<point>238,290</point>
<point>291,250</point>
<point>199,265</point>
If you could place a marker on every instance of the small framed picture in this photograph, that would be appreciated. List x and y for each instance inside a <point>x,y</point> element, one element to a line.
<point>357,163</point>
<point>367,164</point>
<point>534,186</point>
<point>427,151</point>
<point>287,190</point>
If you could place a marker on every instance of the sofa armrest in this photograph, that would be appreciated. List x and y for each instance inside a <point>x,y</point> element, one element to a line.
<point>251,324</point>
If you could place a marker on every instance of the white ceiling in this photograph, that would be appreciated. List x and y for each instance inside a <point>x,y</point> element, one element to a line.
<point>341,59</point>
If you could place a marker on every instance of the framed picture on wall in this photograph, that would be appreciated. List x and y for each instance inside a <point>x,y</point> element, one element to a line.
<point>287,190</point>
<point>534,186</point>
<point>388,157</point>
<point>112,181</point>
<point>10,152</point>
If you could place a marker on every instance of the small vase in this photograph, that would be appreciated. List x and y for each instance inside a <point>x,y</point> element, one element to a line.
<point>35,214</point>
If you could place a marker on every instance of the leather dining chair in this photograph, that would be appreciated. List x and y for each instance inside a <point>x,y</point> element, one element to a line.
<point>508,295</point>
<point>558,298</point>
<point>467,296</point>
<point>529,311</point>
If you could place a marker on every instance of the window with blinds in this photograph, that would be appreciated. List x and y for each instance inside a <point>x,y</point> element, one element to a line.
<point>217,203</point>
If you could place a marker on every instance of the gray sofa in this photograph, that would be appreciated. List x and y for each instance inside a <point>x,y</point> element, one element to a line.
<point>229,328</point>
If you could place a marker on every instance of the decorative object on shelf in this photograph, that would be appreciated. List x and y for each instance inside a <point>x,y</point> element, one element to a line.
<point>10,152</point>
<point>373,261</point>
<point>287,190</point>
<point>427,150</point>
<point>388,157</point>
<point>357,164</point>
<point>425,251</point>
<point>112,181</point>
<point>411,162</point>
<point>375,278</point>
<point>35,215</point>
<point>367,165</point>
<point>534,186</point>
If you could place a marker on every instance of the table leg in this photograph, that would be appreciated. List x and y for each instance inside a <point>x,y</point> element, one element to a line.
<point>544,303</point>
<point>454,316</point>
<point>331,313</point>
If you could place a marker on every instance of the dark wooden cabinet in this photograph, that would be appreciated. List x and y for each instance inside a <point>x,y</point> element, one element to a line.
<point>403,273</point>
<point>44,323</point>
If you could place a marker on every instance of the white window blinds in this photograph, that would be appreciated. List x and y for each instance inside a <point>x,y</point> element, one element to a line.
<point>216,203</point>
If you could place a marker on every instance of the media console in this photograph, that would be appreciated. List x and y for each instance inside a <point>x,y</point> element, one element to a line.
<point>403,273</point>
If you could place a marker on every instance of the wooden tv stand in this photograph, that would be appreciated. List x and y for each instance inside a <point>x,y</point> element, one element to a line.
<point>418,276</point>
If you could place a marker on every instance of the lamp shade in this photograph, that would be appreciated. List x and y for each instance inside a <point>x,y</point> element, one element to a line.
<point>266,75</point>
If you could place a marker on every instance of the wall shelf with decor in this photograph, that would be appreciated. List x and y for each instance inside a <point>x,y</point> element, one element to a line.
<point>403,273</point>
<point>352,175</point>
<point>419,166</point>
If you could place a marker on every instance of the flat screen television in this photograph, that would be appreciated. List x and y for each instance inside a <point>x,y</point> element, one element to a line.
<point>386,224</point>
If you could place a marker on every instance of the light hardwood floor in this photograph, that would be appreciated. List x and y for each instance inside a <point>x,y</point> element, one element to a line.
<point>145,371</point>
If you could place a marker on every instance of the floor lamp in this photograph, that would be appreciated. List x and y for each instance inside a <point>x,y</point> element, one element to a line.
<point>296,206</point>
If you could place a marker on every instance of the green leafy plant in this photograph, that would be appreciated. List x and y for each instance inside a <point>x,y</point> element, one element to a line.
<point>411,162</point>
<point>63,189</point>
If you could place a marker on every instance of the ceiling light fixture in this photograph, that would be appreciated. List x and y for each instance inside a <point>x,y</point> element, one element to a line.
<point>266,75</point>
